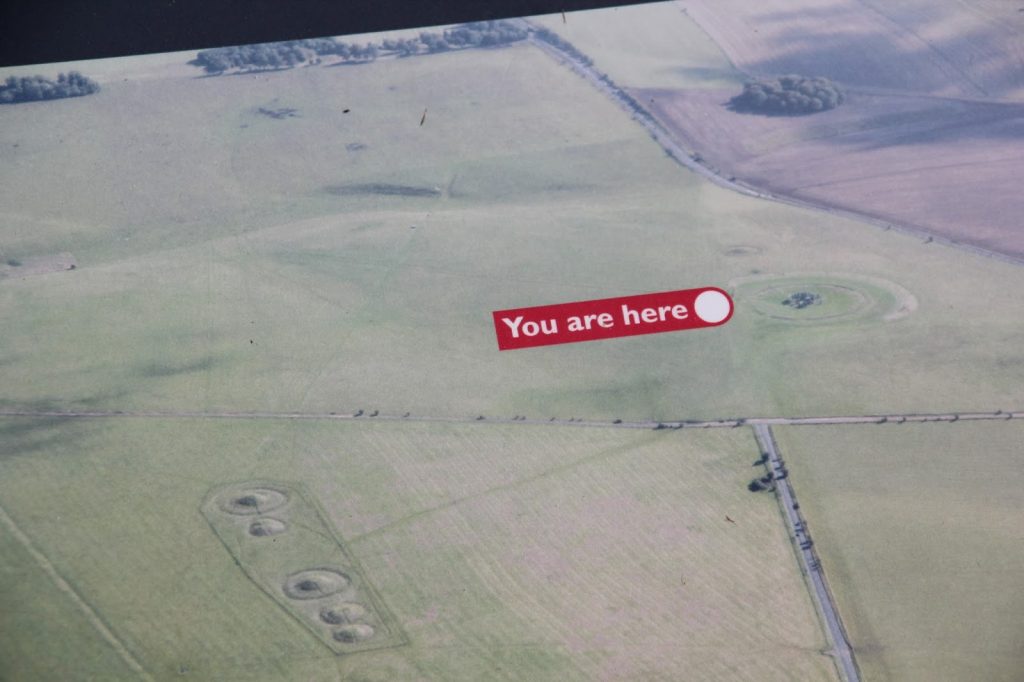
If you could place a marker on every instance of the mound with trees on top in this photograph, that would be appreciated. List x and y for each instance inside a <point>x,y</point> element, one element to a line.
<point>37,88</point>
<point>788,96</point>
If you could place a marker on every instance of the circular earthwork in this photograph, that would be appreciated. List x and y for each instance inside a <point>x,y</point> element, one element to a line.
<point>252,500</point>
<point>343,614</point>
<point>825,298</point>
<point>354,632</point>
<point>267,527</point>
<point>315,583</point>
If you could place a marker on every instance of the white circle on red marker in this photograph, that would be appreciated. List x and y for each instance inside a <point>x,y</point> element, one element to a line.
<point>712,306</point>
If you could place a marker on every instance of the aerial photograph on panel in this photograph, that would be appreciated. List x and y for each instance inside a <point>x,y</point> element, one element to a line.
<point>255,424</point>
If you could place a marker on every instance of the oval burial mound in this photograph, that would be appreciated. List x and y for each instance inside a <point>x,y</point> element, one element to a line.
<point>356,632</point>
<point>262,528</point>
<point>246,500</point>
<point>315,583</point>
<point>343,613</point>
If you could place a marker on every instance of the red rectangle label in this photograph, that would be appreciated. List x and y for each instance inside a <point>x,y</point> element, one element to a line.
<point>607,318</point>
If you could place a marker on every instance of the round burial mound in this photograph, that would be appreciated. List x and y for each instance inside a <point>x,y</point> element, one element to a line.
<point>356,632</point>
<point>315,583</point>
<point>824,298</point>
<point>343,614</point>
<point>262,528</point>
<point>252,500</point>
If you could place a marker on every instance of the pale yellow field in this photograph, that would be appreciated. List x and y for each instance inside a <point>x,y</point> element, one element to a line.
<point>653,45</point>
<point>920,532</point>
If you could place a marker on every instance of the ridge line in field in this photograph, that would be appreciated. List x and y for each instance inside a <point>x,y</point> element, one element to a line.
<point>726,422</point>
<point>63,585</point>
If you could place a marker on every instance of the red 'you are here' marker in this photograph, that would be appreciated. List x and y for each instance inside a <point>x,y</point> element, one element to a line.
<point>606,318</point>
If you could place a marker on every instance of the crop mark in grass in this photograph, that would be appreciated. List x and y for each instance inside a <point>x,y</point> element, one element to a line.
<point>155,370</point>
<point>511,485</point>
<point>279,114</point>
<point>382,189</point>
<point>91,615</point>
<point>743,250</point>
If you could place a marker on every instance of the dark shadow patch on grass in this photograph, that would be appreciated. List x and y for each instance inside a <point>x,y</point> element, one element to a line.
<point>155,370</point>
<point>382,189</point>
<point>21,436</point>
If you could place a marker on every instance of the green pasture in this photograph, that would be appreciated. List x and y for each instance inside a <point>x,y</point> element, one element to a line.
<point>919,530</point>
<point>504,552</point>
<point>653,45</point>
<point>217,272</point>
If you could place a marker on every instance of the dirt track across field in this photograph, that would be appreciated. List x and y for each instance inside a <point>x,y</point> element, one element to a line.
<point>841,650</point>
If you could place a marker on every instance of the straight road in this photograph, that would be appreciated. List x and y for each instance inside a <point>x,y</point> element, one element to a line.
<point>841,651</point>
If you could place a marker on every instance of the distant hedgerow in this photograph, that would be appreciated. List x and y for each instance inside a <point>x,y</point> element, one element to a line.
<point>35,88</point>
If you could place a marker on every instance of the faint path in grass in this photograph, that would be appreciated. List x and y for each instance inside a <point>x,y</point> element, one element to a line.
<point>841,651</point>
<point>727,422</point>
<point>62,585</point>
<point>511,485</point>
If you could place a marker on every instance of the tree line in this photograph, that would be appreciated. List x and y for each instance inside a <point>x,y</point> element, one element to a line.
<point>788,96</point>
<point>280,55</point>
<point>35,88</point>
<point>292,53</point>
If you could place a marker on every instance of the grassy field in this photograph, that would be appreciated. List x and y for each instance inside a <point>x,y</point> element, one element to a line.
<point>505,552</point>
<point>216,272</point>
<point>919,531</point>
<point>653,45</point>
<point>349,258</point>
<point>36,616</point>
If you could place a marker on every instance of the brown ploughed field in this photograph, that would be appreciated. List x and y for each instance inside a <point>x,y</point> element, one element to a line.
<point>931,134</point>
<point>944,165</point>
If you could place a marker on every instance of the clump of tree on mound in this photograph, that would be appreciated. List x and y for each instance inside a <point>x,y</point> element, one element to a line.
<point>35,88</point>
<point>292,53</point>
<point>282,55</point>
<point>788,96</point>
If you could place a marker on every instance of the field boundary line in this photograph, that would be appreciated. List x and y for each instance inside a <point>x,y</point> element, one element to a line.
<point>65,587</point>
<point>841,651</point>
<point>671,424</point>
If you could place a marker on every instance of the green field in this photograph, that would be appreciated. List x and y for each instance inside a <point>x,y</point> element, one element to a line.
<point>505,552</point>
<point>653,45</point>
<point>209,223</point>
<point>348,258</point>
<point>919,530</point>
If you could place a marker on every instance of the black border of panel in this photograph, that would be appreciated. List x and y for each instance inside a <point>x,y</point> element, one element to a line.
<point>45,31</point>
